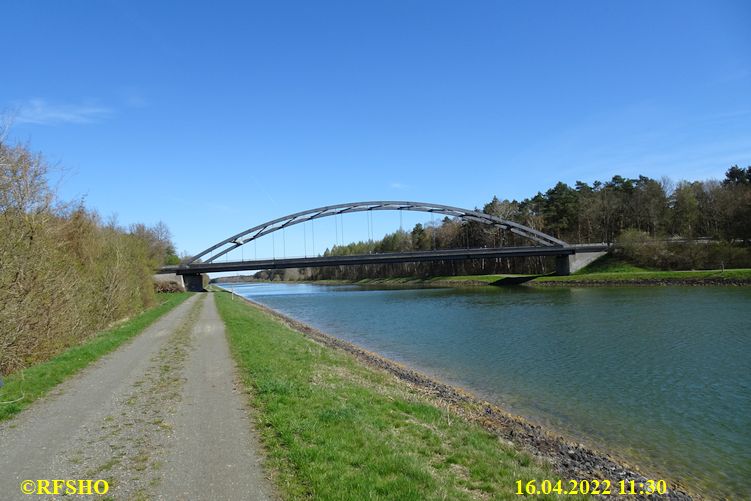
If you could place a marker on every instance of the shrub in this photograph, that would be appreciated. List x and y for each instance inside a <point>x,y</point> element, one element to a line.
<point>64,274</point>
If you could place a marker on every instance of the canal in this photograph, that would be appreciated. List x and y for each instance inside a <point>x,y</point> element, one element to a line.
<point>659,376</point>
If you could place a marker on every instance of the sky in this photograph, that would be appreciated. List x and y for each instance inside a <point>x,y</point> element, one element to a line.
<point>216,116</point>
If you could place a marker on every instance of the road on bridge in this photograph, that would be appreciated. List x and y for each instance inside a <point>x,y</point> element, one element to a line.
<point>163,417</point>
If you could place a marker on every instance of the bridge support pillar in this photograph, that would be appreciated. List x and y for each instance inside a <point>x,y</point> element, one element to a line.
<point>195,282</point>
<point>563,265</point>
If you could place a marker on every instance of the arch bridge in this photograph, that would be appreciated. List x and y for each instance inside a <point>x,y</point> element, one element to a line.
<point>541,243</point>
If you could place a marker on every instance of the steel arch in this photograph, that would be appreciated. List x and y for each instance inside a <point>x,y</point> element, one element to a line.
<point>255,232</point>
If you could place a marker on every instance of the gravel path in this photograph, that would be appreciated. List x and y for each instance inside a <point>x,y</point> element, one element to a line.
<point>213,450</point>
<point>159,418</point>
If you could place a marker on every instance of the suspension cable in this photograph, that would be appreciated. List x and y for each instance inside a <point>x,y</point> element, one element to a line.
<point>432,227</point>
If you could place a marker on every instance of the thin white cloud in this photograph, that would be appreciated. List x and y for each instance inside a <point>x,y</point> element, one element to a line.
<point>398,186</point>
<point>40,112</point>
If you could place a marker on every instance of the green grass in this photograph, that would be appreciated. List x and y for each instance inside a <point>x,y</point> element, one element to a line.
<point>604,270</point>
<point>609,264</point>
<point>610,268</point>
<point>445,279</point>
<point>336,429</point>
<point>390,281</point>
<point>472,278</point>
<point>24,387</point>
<point>651,276</point>
<point>614,270</point>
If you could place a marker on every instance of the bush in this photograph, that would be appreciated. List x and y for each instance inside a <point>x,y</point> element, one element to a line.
<point>64,275</point>
<point>641,249</point>
<point>657,253</point>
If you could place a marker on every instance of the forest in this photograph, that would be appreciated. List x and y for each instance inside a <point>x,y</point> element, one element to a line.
<point>657,224</point>
<point>64,272</point>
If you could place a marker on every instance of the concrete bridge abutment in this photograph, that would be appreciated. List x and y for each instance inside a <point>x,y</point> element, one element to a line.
<point>195,282</point>
<point>566,265</point>
<point>563,265</point>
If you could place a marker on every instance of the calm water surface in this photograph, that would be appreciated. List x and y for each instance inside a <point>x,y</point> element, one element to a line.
<point>659,375</point>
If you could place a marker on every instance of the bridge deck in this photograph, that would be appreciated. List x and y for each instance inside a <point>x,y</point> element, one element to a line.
<point>388,258</point>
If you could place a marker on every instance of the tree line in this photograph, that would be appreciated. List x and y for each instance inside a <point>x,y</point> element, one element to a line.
<point>64,272</point>
<point>661,224</point>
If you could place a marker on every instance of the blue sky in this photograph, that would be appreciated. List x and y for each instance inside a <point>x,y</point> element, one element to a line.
<point>213,117</point>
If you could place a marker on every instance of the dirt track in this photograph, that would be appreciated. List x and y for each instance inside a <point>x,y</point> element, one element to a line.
<point>160,418</point>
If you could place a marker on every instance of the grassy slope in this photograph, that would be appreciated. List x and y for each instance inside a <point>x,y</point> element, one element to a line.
<point>606,269</point>
<point>37,380</point>
<point>655,276</point>
<point>612,269</point>
<point>442,280</point>
<point>406,280</point>
<point>336,429</point>
<point>610,264</point>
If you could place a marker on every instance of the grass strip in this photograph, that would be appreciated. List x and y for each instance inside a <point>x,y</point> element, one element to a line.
<point>470,279</point>
<point>610,263</point>
<point>473,278</point>
<point>653,276</point>
<point>24,387</point>
<point>337,429</point>
<point>608,269</point>
<point>443,280</point>
<point>615,273</point>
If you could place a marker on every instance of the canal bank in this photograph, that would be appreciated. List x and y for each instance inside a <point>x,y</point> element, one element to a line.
<point>585,278</point>
<point>567,459</point>
<point>657,375</point>
<point>730,277</point>
<point>739,277</point>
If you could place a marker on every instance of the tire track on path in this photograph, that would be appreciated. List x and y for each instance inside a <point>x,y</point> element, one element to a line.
<point>214,452</point>
<point>38,443</point>
<point>161,417</point>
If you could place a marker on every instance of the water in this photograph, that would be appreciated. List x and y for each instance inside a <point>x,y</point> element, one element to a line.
<point>660,375</point>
